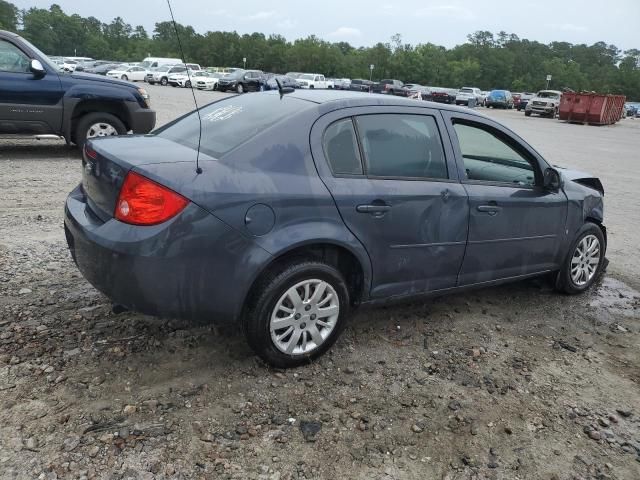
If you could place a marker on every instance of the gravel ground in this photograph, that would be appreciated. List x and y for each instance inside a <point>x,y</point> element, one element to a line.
<point>513,382</point>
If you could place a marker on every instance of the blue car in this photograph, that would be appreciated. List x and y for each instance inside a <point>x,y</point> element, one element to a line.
<point>303,205</point>
<point>499,99</point>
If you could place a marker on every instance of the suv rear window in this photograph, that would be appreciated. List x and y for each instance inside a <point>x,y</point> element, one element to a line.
<point>230,122</point>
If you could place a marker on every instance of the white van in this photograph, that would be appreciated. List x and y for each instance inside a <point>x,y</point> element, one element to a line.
<point>154,62</point>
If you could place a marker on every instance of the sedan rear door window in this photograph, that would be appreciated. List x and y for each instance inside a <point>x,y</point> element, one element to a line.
<point>488,158</point>
<point>341,148</point>
<point>402,146</point>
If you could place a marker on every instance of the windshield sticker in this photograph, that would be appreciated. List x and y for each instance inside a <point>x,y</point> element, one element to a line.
<point>223,113</point>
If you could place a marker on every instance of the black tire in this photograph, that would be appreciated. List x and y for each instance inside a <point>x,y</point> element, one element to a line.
<point>312,87</point>
<point>564,281</point>
<point>164,81</point>
<point>527,113</point>
<point>187,84</point>
<point>268,292</point>
<point>239,88</point>
<point>124,77</point>
<point>89,119</point>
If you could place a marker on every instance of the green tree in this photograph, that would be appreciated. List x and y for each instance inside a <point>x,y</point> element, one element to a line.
<point>8,16</point>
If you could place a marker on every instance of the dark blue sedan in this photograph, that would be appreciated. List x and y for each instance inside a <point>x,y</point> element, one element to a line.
<point>307,204</point>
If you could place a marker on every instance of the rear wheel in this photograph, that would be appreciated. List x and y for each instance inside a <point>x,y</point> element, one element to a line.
<point>297,313</point>
<point>97,124</point>
<point>585,260</point>
<point>124,77</point>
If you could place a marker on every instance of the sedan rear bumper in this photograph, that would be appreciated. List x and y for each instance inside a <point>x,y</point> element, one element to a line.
<point>192,266</point>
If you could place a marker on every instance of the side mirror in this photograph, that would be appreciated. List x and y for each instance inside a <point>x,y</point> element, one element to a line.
<point>552,180</point>
<point>37,68</point>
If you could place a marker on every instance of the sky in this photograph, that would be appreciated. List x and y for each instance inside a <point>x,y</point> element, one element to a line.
<point>443,22</point>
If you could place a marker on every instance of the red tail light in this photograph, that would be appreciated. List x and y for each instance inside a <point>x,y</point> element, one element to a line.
<point>90,152</point>
<point>145,202</point>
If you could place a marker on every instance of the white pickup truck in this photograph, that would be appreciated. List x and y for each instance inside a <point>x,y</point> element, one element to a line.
<point>312,80</point>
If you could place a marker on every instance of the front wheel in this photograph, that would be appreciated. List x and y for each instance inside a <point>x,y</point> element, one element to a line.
<point>97,124</point>
<point>585,260</point>
<point>239,88</point>
<point>527,113</point>
<point>124,77</point>
<point>164,81</point>
<point>297,313</point>
<point>187,84</point>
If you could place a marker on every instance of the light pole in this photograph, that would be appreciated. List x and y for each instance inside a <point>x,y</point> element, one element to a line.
<point>244,63</point>
<point>548,80</point>
<point>371,71</point>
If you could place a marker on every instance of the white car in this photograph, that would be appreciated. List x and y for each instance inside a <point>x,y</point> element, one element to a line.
<point>467,93</point>
<point>185,80</point>
<point>209,82</point>
<point>161,74</point>
<point>134,74</point>
<point>312,80</point>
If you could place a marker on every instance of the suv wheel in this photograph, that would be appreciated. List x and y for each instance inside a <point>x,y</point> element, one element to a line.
<point>527,113</point>
<point>97,124</point>
<point>239,88</point>
<point>164,81</point>
<point>585,260</point>
<point>298,313</point>
<point>187,84</point>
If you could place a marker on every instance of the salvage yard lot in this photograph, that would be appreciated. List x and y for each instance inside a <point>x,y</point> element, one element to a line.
<point>506,383</point>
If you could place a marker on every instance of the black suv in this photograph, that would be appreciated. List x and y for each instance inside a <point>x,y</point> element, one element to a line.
<point>242,81</point>
<point>37,99</point>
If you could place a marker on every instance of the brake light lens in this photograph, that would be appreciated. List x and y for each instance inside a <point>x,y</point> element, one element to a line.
<point>90,152</point>
<point>145,202</point>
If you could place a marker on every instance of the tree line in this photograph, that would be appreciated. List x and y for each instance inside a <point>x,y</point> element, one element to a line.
<point>486,60</point>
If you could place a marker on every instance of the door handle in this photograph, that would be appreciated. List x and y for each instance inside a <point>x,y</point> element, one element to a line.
<point>374,209</point>
<point>490,209</point>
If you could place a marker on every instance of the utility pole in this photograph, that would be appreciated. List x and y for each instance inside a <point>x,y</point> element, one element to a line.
<point>548,80</point>
<point>371,71</point>
<point>244,63</point>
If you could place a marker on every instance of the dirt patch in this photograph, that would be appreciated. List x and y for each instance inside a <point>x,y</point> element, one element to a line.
<point>515,382</point>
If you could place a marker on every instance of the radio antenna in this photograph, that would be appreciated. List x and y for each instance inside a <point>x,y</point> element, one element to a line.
<point>175,27</point>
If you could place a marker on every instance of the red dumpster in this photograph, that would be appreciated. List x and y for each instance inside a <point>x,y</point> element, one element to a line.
<point>591,108</point>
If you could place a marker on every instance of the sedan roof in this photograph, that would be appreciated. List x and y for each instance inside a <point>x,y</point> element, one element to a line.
<point>349,98</point>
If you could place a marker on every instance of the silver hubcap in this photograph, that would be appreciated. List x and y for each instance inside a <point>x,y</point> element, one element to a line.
<point>101,130</point>
<point>585,261</point>
<point>304,317</point>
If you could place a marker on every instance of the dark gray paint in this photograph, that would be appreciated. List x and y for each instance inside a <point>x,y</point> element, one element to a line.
<point>433,238</point>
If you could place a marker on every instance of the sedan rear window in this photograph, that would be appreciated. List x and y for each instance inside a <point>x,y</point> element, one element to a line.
<point>230,122</point>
